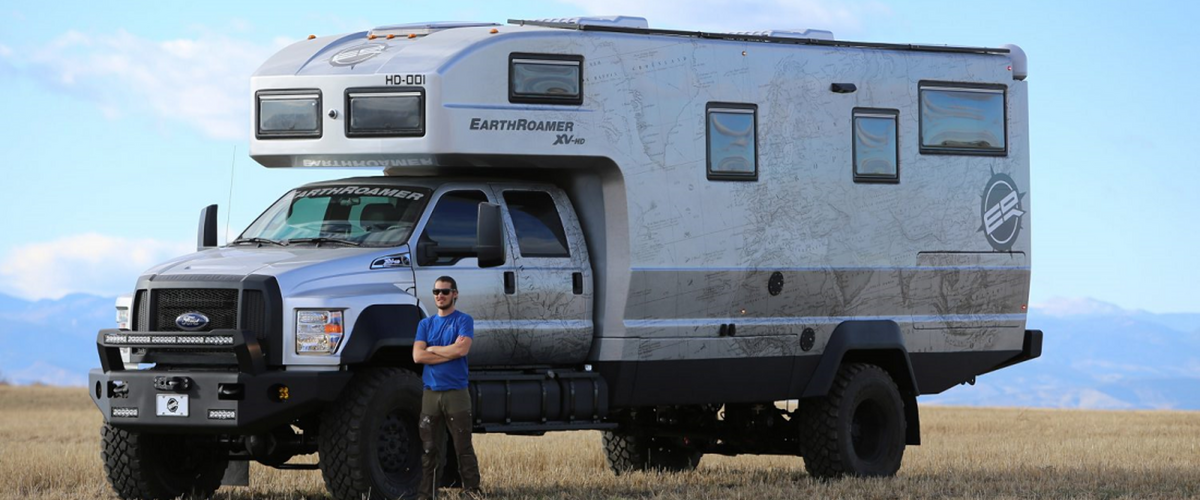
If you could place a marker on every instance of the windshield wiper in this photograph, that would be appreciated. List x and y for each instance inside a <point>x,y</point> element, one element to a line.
<point>322,239</point>
<point>268,241</point>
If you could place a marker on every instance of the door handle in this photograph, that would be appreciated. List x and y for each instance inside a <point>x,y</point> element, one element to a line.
<point>510,282</point>
<point>577,283</point>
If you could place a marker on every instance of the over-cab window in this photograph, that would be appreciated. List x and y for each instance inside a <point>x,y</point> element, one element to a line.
<point>876,145</point>
<point>538,225</point>
<point>963,119</point>
<point>732,141</point>
<point>545,78</point>
<point>387,112</point>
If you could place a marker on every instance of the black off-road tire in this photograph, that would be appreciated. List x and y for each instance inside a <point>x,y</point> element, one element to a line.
<point>857,429</point>
<point>159,466</point>
<point>628,453</point>
<point>370,446</point>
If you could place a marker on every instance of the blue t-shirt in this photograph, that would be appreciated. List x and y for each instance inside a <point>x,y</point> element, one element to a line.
<point>443,331</point>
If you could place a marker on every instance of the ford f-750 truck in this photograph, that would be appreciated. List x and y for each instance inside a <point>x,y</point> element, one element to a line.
<point>660,235</point>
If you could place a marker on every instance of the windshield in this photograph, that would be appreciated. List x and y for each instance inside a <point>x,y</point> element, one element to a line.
<point>374,216</point>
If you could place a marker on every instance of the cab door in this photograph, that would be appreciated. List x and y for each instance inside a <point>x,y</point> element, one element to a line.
<point>451,224</point>
<point>552,278</point>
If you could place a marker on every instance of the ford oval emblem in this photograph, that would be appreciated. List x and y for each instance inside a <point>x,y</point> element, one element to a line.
<point>191,321</point>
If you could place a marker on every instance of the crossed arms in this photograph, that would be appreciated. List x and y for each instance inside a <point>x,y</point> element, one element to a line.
<point>425,354</point>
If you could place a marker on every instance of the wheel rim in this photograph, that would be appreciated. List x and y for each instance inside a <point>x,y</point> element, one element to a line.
<point>394,444</point>
<point>867,429</point>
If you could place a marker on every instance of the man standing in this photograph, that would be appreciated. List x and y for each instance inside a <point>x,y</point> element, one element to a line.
<point>442,344</point>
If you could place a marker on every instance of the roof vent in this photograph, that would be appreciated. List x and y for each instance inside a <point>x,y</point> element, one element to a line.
<point>809,34</point>
<point>422,29</point>
<point>620,21</point>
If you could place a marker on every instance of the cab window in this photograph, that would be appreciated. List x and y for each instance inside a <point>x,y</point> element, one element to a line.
<point>452,227</point>
<point>537,223</point>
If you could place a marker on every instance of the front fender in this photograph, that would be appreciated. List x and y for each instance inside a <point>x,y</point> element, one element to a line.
<point>381,329</point>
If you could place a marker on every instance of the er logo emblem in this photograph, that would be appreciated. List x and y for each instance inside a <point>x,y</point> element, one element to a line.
<point>1001,212</point>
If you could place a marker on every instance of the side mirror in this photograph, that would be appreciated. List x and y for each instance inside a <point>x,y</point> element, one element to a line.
<point>489,236</point>
<point>426,253</point>
<point>206,235</point>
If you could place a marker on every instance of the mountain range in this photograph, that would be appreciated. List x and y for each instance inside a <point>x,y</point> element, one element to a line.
<point>1095,355</point>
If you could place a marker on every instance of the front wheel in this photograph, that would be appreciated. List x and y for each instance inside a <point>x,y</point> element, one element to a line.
<point>369,443</point>
<point>857,429</point>
<point>149,466</point>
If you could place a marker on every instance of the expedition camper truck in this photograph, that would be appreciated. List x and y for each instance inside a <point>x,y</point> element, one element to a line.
<point>660,234</point>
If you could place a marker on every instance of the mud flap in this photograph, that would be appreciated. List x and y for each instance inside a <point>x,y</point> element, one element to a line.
<point>237,473</point>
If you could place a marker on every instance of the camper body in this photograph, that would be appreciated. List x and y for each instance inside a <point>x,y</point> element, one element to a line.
<point>659,234</point>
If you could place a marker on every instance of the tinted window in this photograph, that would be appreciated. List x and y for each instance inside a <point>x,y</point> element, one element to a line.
<point>289,115</point>
<point>385,113</point>
<point>539,228</point>
<point>546,79</point>
<point>962,120</point>
<point>875,145</point>
<point>453,224</point>
<point>732,141</point>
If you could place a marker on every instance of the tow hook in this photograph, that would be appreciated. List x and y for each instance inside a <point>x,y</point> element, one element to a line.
<point>172,384</point>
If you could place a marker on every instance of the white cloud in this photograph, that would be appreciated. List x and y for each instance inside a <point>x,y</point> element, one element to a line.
<point>748,15</point>
<point>202,82</point>
<point>88,263</point>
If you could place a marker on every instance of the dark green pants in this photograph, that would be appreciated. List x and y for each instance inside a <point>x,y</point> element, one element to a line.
<point>443,411</point>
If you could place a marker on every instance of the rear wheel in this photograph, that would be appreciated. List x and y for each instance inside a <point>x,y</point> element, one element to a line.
<point>857,429</point>
<point>160,466</point>
<point>369,444</point>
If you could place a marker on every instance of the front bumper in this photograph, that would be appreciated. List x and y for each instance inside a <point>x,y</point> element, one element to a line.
<point>241,399</point>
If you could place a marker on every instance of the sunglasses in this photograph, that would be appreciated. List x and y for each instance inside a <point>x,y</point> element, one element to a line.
<point>442,291</point>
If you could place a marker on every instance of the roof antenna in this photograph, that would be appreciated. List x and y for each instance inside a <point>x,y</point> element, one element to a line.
<point>229,206</point>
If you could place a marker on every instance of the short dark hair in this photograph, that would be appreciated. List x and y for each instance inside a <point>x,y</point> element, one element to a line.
<point>447,279</point>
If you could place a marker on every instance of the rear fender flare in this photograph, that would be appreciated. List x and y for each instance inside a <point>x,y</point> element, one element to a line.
<point>878,342</point>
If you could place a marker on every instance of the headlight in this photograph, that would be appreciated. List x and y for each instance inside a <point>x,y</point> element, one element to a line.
<point>391,113</point>
<point>123,318</point>
<point>318,332</point>
<point>284,114</point>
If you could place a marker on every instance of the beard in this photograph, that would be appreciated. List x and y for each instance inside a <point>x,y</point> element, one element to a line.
<point>447,305</point>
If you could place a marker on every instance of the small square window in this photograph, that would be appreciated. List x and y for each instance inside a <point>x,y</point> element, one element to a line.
<point>545,78</point>
<point>876,145</point>
<point>732,141</point>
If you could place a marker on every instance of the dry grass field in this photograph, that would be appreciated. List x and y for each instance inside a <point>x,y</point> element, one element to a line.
<point>49,449</point>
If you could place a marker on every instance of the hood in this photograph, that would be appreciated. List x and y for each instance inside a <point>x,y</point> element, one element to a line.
<point>274,261</point>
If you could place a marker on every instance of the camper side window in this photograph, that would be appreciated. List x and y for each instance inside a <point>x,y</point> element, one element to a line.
<point>732,141</point>
<point>963,119</point>
<point>876,145</point>
<point>545,78</point>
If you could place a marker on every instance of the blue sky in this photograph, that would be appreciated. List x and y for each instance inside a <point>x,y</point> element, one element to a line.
<point>123,120</point>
